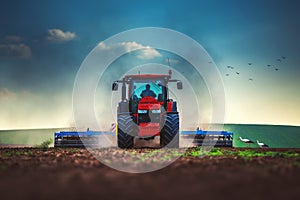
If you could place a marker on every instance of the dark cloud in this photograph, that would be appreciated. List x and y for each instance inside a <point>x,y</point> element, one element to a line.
<point>12,39</point>
<point>15,50</point>
<point>12,46</point>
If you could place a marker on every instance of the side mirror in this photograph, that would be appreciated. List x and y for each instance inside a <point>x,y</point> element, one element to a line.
<point>115,86</point>
<point>179,85</point>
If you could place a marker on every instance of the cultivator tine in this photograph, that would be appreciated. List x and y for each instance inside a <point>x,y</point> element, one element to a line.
<point>209,138</point>
<point>78,139</point>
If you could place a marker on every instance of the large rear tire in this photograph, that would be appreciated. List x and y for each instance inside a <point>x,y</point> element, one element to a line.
<point>125,131</point>
<point>169,135</point>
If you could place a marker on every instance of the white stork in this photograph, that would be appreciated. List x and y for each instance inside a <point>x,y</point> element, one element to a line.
<point>261,145</point>
<point>246,141</point>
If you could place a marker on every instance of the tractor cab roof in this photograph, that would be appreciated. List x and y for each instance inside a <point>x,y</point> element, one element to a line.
<point>147,76</point>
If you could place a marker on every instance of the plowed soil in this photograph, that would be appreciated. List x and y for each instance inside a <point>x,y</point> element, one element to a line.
<point>29,173</point>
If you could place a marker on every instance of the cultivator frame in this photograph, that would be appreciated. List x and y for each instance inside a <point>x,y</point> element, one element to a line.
<point>78,138</point>
<point>93,138</point>
<point>210,138</point>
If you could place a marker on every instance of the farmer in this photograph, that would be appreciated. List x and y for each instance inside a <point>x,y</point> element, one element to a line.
<point>148,92</point>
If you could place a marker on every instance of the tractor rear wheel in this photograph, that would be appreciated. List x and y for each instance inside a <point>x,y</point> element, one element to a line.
<point>125,131</point>
<point>169,135</point>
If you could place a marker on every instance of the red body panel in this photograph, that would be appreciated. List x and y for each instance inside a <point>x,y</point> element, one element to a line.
<point>170,106</point>
<point>148,100</point>
<point>149,103</point>
<point>148,129</point>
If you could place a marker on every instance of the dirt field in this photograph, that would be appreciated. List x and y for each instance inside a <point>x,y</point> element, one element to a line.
<point>27,173</point>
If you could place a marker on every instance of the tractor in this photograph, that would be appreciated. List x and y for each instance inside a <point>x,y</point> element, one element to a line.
<point>144,115</point>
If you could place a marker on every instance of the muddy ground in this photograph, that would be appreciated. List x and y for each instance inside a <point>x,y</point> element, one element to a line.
<point>28,173</point>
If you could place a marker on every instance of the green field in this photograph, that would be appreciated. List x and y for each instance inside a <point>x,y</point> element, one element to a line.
<point>272,135</point>
<point>28,137</point>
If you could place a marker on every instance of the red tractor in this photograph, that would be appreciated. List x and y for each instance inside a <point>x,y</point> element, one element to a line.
<point>147,111</point>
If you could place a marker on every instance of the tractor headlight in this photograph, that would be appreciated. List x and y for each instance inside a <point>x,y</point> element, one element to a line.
<point>142,111</point>
<point>155,111</point>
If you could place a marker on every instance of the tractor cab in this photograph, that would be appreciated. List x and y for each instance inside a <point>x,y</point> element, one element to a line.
<point>134,85</point>
<point>145,101</point>
<point>147,89</point>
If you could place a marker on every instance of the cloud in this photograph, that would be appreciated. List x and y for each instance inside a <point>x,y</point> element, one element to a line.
<point>7,95</point>
<point>12,46</point>
<point>15,50</point>
<point>145,52</point>
<point>13,39</point>
<point>148,53</point>
<point>57,35</point>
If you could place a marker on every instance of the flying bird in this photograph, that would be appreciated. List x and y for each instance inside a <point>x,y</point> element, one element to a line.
<point>283,57</point>
<point>237,73</point>
<point>279,59</point>
<point>249,63</point>
<point>227,74</point>
<point>250,79</point>
<point>261,145</point>
<point>269,65</point>
<point>229,67</point>
<point>276,69</point>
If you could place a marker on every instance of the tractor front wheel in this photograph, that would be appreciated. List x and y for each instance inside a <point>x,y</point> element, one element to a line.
<point>125,131</point>
<point>169,135</point>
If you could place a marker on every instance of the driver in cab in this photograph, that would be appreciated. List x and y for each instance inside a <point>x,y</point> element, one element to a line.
<point>148,92</point>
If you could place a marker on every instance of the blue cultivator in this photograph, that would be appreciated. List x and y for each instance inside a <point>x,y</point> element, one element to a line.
<point>78,139</point>
<point>94,138</point>
<point>209,138</point>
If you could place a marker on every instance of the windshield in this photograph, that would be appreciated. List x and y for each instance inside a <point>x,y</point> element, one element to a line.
<point>140,89</point>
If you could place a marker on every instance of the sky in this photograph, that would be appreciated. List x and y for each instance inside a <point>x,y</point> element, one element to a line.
<point>44,43</point>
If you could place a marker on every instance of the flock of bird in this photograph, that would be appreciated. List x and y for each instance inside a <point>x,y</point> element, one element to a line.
<point>248,141</point>
<point>250,64</point>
